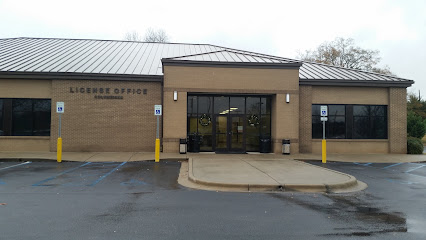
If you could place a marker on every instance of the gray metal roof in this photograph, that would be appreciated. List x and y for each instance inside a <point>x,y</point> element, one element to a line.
<point>227,55</point>
<point>110,58</point>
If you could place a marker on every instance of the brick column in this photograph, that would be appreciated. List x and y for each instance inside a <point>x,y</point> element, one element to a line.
<point>305,119</point>
<point>397,119</point>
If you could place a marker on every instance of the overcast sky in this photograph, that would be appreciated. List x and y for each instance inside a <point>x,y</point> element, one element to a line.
<point>396,28</point>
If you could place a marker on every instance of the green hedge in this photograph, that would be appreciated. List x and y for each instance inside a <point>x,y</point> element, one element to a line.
<point>414,145</point>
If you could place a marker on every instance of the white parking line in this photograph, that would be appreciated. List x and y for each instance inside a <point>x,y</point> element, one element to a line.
<point>415,168</point>
<point>16,165</point>
<point>393,165</point>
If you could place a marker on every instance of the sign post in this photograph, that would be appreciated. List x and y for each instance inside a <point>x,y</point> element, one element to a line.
<point>324,114</point>
<point>59,110</point>
<point>158,111</point>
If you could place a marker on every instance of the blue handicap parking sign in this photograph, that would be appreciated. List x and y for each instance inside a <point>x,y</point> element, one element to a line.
<point>157,111</point>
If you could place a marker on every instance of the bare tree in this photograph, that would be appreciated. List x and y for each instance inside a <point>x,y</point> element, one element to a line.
<point>159,35</point>
<point>132,36</point>
<point>343,53</point>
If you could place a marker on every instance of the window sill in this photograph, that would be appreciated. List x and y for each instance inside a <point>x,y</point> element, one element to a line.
<point>352,140</point>
<point>26,137</point>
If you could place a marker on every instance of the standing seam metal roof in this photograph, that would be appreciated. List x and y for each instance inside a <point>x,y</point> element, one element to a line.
<point>86,56</point>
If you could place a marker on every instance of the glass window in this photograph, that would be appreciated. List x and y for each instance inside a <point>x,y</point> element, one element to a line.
<point>253,105</point>
<point>221,105</point>
<point>25,117</point>
<point>192,104</point>
<point>335,126</point>
<point>316,127</point>
<point>1,118</point>
<point>370,122</point>
<point>266,105</point>
<point>22,117</point>
<point>205,104</point>
<point>237,105</point>
<point>358,122</point>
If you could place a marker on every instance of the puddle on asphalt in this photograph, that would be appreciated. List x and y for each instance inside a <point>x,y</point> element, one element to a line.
<point>363,218</point>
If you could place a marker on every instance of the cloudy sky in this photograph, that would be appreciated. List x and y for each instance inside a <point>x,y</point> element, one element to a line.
<point>396,28</point>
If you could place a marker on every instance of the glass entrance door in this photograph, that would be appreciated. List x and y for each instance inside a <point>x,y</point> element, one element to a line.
<point>230,133</point>
<point>224,123</point>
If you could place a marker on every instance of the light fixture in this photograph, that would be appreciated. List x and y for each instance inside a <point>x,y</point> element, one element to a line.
<point>175,95</point>
<point>287,98</point>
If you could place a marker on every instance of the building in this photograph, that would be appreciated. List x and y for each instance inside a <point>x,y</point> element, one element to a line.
<point>233,100</point>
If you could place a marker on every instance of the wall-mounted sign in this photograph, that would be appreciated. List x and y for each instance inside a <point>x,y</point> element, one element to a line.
<point>108,93</point>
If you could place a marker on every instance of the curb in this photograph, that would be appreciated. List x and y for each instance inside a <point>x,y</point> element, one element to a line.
<point>324,188</point>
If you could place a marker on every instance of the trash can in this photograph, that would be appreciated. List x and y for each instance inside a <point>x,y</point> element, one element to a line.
<point>286,146</point>
<point>182,146</point>
<point>265,145</point>
<point>194,143</point>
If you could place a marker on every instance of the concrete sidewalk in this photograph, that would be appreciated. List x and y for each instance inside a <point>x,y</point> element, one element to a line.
<point>144,156</point>
<point>241,172</point>
<point>246,174</point>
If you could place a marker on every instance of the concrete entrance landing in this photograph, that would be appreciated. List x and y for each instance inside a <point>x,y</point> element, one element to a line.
<point>232,173</point>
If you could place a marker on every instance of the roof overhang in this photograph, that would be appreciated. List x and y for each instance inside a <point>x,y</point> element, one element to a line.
<point>355,83</point>
<point>80,76</point>
<point>169,62</point>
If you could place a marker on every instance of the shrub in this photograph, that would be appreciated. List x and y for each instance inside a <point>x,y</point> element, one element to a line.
<point>415,125</point>
<point>414,145</point>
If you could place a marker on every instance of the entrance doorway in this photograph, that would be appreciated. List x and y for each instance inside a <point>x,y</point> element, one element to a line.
<point>229,123</point>
<point>230,134</point>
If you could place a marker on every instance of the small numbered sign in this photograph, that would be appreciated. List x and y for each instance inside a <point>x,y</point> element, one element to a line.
<point>158,110</point>
<point>324,112</point>
<point>60,107</point>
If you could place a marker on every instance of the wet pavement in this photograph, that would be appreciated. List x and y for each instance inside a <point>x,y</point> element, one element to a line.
<point>142,200</point>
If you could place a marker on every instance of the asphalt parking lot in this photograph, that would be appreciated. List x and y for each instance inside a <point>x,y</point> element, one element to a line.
<point>142,200</point>
<point>88,175</point>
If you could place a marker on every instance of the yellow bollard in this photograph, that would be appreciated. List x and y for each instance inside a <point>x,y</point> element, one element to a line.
<point>157,150</point>
<point>324,151</point>
<point>59,150</point>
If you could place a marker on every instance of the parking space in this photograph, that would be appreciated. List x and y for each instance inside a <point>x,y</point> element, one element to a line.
<point>398,173</point>
<point>88,175</point>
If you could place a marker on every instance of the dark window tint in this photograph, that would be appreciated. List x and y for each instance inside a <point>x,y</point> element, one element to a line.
<point>205,104</point>
<point>192,104</point>
<point>253,105</point>
<point>370,122</point>
<point>351,121</point>
<point>221,105</point>
<point>335,126</point>
<point>25,117</point>
<point>22,117</point>
<point>237,105</point>
<point>266,105</point>
<point>1,118</point>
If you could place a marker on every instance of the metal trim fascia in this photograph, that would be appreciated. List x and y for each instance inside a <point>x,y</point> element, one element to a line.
<point>230,64</point>
<point>355,83</point>
<point>80,76</point>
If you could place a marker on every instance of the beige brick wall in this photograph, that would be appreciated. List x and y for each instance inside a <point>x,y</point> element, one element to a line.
<point>110,125</point>
<point>398,120</point>
<point>276,82</point>
<point>16,88</point>
<point>351,146</point>
<point>285,122</point>
<point>24,144</point>
<point>305,119</point>
<point>231,80</point>
<point>350,95</point>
